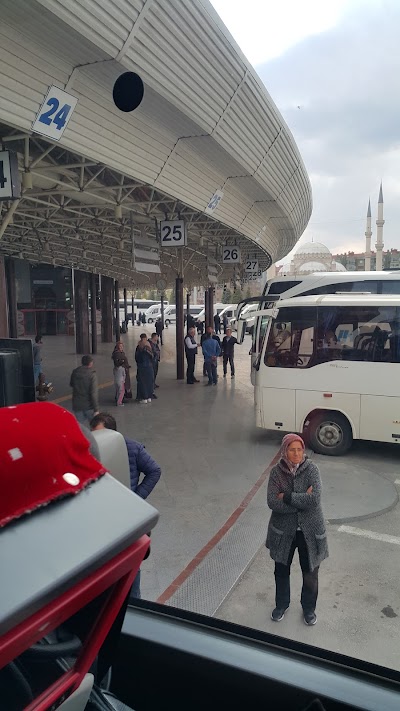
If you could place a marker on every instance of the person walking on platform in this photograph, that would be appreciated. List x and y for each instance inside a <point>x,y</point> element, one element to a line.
<point>217,323</point>
<point>297,521</point>
<point>156,356</point>
<point>228,349</point>
<point>144,471</point>
<point>119,382</point>
<point>211,351</point>
<point>191,351</point>
<point>225,323</point>
<point>37,357</point>
<point>83,382</point>
<point>200,326</point>
<point>159,329</point>
<point>145,372</point>
<point>209,331</point>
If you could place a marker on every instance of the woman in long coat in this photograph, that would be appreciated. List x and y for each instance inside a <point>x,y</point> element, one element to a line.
<point>145,370</point>
<point>297,521</point>
<point>119,358</point>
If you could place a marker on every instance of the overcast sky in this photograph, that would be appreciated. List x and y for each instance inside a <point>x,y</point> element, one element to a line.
<point>338,60</point>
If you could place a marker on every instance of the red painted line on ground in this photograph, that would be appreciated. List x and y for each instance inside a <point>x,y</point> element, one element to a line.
<point>195,562</point>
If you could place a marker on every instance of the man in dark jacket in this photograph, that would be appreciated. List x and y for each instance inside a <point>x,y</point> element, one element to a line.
<point>217,323</point>
<point>140,462</point>
<point>83,382</point>
<point>228,350</point>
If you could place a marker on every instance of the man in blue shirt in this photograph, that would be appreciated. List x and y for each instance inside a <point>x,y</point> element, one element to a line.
<point>211,351</point>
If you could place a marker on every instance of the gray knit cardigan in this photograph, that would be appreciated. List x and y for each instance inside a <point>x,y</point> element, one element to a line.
<point>301,510</point>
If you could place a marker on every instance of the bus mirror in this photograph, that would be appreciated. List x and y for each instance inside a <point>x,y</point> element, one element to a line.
<point>241,331</point>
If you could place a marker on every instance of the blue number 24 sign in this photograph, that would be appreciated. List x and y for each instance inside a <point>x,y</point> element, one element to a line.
<point>54,113</point>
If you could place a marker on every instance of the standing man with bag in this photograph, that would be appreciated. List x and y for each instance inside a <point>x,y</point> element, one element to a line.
<point>191,352</point>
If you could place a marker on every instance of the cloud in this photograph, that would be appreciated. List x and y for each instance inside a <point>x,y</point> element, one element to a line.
<point>346,82</point>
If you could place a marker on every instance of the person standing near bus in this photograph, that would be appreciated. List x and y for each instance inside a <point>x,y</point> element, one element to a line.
<point>191,352</point>
<point>228,351</point>
<point>297,521</point>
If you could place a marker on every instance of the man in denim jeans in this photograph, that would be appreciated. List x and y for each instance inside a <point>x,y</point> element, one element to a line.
<point>83,382</point>
<point>211,351</point>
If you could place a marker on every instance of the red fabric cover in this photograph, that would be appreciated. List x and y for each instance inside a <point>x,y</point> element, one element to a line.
<point>41,443</point>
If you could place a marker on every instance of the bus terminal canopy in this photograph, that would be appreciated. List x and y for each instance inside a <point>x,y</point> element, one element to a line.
<point>206,145</point>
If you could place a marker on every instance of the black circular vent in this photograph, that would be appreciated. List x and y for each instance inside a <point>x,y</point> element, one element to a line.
<point>128,91</point>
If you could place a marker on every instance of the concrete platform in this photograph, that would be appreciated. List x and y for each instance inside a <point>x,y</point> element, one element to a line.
<point>207,551</point>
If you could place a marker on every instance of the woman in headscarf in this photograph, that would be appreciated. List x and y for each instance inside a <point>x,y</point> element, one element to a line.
<point>297,521</point>
<point>145,370</point>
<point>119,358</point>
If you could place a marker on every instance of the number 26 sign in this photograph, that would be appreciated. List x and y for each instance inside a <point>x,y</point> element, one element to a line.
<point>55,113</point>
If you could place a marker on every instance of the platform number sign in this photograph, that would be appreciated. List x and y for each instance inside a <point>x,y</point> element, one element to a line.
<point>10,186</point>
<point>173,233</point>
<point>230,255</point>
<point>55,113</point>
<point>251,266</point>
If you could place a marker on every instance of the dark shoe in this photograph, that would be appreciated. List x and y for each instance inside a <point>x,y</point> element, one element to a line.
<point>196,381</point>
<point>214,383</point>
<point>156,386</point>
<point>233,375</point>
<point>154,397</point>
<point>224,375</point>
<point>278,614</point>
<point>310,618</point>
<point>190,382</point>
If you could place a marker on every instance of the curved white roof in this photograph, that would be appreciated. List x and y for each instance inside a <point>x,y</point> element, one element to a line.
<point>206,123</point>
<point>313,248</point>
<point>312,267</point>
<point>339,267</point>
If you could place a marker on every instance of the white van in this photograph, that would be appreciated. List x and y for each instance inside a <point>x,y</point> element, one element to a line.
<point>153,313</point>
<point>229,311</point>
<point>170,315</point>
<point>218,308</point>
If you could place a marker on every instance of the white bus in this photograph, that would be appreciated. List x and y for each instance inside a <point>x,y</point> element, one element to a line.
<point>285,287</point>
<point>329,367</point>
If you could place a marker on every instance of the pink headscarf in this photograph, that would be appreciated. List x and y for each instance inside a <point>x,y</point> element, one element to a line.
<point>286,442</point>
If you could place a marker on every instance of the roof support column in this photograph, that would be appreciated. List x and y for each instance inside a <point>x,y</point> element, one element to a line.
<point>93,311</point>
<point>4,331</point>
<point>116,302</point>
<point>126,307</point>
<point>81,307</point>
<point>211,306</point>
<point>12,298</point>
<point>179,328</point>
<point>206,305</point>
<point>106,299</point>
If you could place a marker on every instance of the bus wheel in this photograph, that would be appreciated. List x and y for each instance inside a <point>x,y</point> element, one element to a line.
<point>167,321</point>
<point>149,320</point>
<point>329,433</point>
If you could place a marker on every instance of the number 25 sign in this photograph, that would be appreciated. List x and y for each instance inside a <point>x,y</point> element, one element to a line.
<point>173,233</point>
<point>55,113</point>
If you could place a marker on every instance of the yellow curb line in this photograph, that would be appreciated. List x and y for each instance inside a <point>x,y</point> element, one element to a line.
<point>64,398</point>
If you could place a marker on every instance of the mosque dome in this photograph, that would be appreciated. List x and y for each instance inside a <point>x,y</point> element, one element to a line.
<point>285,268</point>
<point>313,248</point>
<point>339,267</point>
<point>312,267</point>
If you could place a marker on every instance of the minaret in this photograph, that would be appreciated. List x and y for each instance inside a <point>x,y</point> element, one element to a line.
<point>368,235</point>
<point>379,232</point>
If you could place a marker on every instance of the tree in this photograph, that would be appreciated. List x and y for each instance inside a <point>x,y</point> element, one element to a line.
<point>227,296</point>
<point>237,296</point>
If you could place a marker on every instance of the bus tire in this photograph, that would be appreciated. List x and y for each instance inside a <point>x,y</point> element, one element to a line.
<point>329,432</point>
<point>149,320</point>
<point>167,321</point>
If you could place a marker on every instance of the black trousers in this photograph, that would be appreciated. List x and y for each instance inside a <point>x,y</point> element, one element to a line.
<point>191,361</point>
<point>225,359</point>
<point>309,592</point>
